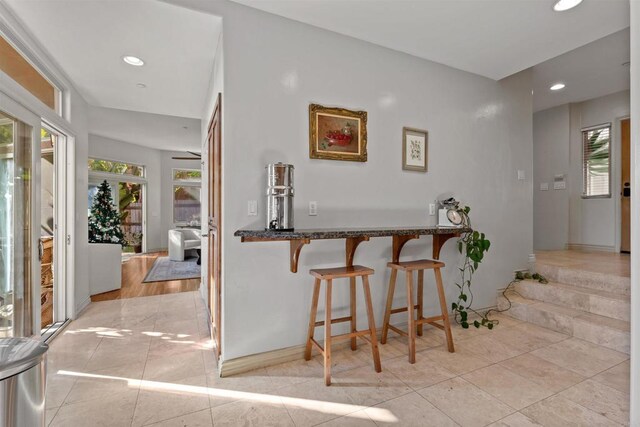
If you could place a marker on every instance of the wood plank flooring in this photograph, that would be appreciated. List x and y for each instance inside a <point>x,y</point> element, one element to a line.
<point>133,272</point>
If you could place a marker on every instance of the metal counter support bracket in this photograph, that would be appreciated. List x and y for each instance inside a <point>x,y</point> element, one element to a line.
<point>295,248</point>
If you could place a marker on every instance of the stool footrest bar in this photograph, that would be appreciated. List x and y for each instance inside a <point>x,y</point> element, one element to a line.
<point>403,309</point>
<point>338,320</point>
<point>398,331</point>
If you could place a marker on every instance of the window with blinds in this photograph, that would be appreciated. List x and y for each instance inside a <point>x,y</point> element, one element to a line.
<point>596,161</point>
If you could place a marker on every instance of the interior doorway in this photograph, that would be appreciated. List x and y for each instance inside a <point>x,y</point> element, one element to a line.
<point>625,185</point>
<point>214,279</point>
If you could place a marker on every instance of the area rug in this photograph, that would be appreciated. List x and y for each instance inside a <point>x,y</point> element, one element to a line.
<point>164,269</point>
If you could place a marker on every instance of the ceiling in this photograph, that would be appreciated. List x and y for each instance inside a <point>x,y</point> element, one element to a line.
<point>149,130</point>
<point>89,38</point>
<point>493,38</point>
<point>588,72</point>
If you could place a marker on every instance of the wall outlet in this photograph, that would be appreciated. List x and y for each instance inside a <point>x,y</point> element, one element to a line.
<point>521,175</point>
<point>544,186</point>
<point>252,208</point>
<point>313,208</point>
<point>432,208</point>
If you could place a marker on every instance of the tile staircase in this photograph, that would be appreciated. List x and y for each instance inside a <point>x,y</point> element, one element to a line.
<point>588,305</point>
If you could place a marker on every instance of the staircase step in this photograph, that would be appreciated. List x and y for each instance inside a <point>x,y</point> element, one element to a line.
<point>585,279</point>
<point>594,301</point>
<point>604,331</point>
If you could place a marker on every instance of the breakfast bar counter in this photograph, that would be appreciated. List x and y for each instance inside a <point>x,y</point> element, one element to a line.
<point>353,236</point>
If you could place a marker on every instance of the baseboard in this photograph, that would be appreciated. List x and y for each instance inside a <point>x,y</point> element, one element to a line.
<point>269,358</point>
<point>590,248</point>
<point>82,307</point>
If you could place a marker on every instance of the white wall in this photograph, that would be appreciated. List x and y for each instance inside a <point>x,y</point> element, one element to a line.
<point>480,134</point>
<point>551,130</point>
<point>563,217</point>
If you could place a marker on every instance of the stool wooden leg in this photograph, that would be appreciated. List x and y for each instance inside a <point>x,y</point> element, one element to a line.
<point>387,312</point>
<point>327,335</point>
<point>420,299</point>
<point>372,324</point>
<point>312,319</point>
<point>411,317</point>
<point>445,310</point>
<point>354,343</point>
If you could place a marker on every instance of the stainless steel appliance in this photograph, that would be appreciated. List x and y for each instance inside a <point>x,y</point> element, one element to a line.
<point>22,382</point>
<point>279,197</point>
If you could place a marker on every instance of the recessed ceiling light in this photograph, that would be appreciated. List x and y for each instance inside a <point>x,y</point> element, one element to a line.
<point>133,60</point>
<point>557,86</point>
<point>562,5</point>
<point>141,85</point>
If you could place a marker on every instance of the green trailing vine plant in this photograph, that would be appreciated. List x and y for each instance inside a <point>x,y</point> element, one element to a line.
<point>474,244</point>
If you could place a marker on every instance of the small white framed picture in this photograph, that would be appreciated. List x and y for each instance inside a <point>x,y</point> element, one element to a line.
<point>415,146</point>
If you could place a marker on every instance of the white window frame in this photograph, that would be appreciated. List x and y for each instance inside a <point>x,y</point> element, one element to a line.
<point>184,183</point>
<point>582,136</point>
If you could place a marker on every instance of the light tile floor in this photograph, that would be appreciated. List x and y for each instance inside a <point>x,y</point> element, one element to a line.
<point>148,361</point>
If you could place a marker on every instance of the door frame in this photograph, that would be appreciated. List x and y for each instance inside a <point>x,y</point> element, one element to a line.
<point>214,233</point>
<point>64,216</point>
<point>616,176</point>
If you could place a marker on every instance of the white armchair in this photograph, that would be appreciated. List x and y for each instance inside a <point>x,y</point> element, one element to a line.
<point>182,240</point>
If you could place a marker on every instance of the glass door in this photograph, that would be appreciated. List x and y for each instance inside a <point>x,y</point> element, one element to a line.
<point>17,278</point>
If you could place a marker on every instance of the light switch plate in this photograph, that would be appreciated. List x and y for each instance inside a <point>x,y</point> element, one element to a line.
<point>521,175</point>
<point>313,208</point>
<point>544,186</point>
<point>432,208</point>
<point>252,208</point>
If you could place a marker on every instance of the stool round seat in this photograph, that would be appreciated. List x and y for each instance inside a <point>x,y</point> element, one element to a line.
<point>341,272</point>
<point>421,264</point>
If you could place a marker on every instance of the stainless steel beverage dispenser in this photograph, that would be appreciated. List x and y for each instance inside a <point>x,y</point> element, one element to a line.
<point>279,197</point>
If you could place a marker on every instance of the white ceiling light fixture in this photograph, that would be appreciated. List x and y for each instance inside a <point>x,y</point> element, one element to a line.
<point>562,5</point>
<point>557,86</point>
<point>133,60</point>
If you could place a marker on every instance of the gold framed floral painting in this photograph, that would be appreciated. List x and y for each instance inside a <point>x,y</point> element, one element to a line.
<point>415,149</point>
<point>337,134</point>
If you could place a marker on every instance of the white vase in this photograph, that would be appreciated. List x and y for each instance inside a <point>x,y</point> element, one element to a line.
<point>105,267</point>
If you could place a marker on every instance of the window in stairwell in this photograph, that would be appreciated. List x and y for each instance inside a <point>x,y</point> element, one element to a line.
<point>596,161</point>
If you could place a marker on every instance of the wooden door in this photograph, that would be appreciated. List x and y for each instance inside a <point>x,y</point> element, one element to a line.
<point>625,185</point>
<point>214,284</point>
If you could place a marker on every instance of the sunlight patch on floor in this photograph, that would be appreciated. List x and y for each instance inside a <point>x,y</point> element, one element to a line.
<point>376,414</point>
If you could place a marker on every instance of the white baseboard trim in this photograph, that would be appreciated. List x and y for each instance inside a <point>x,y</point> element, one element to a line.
<point>82,307</point>
<point>260,360</point>
<point>590,248</point>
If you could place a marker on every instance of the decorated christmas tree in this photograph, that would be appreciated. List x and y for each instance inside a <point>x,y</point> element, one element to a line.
<point>104,220</point>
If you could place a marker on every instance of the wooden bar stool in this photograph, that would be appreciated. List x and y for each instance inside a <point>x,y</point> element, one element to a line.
<point>415,325</point>
<point>369,334</point>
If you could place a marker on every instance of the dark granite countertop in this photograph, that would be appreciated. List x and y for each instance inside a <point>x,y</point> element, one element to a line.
<point>343,233</point>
